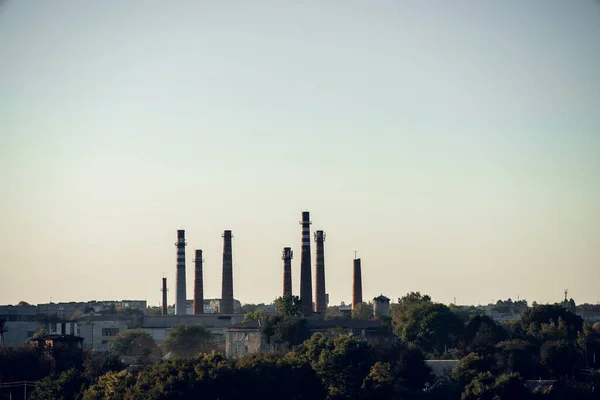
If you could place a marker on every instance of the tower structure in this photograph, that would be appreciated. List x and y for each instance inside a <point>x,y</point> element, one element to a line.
<point>164,296</point>
<point>305,267</point>
<point>227,283</point>
<point>198,284</point>
<point>287,256</point>
<point>356,284</point>
<point>180,296</point>
<point>320,296</point>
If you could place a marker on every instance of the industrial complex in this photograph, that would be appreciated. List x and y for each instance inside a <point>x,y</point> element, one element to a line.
<point>98,322</point>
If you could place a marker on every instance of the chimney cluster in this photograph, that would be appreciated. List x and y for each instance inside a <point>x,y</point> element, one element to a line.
<point>226,307</point>
<point>180,298</point>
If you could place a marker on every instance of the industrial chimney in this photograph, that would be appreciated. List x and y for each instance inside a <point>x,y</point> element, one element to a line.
<point>227,284</point>
<point>320,296</point>
<point>287,256</point>
<point>305,269</point>
<point>180,295</point>
<point>198,288</point>
<point>164,296</point>
<point>356,284</point>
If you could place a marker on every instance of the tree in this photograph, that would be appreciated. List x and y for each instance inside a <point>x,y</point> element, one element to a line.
<point>481,334</point>
<point>469,367</point>
<point>285,331</point>
<point>532,320</point>
<point>362,311</point>
<point>257,315</point>
<point>188,340</point>
<point>40,333</point>
<point>137,344</point>
<point>69,385</point>
<point>379,383</point>
<point>431,326</point>
<point>560,357</point>
<point>518,356</point>
<point>23,304</point>
<point>289,305</point>
<point>111,385</point>
<point>96,364</point>
<point>505,387</point>
<point>342,362</point>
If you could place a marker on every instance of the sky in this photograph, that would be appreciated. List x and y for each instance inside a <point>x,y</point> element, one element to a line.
<point>454,145</point>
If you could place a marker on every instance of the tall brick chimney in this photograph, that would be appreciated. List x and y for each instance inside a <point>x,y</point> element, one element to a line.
<point>287,256</point>
<point>198,284</point>
<point>356,284</point>
<point>320,296</point>
<point>227,284</point>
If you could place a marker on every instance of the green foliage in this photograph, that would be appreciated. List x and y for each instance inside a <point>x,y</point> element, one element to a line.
<point>112,385</point>
<point>289,306</point>
<point>362,311</point>
<point>470,367</point>
<point>188,340</point>
<point>533,319</point>
<point>560,357</point>
<point>96,364</point>
<point>342,362</point>
<point>504,387</point>
<point>419,321</point>
<point>518,356</point>
<point>379,382</point>
<point>248,308</point>
<point>285,331</point>
<point>24,363</point>
<point>137,344</point>
<point>481,334</point>
<point>333,312</point>
<point>68,385</point>
<point>23,304</point>
<point>40,333</point>
<point>153,311</point>
<point>257,315</point>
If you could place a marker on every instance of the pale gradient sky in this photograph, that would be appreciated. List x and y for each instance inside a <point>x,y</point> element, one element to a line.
<point>455,144</point>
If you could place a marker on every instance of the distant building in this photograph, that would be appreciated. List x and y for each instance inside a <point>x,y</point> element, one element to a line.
<point>159,326</point>
<point>381,305</point>
<point>246,338</point>
<point>99,330</point>
<point>20,324</point>
<point>69,343</point>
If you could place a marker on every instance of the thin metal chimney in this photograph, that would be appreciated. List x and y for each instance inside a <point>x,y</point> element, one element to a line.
<point>227,284</point>
<point>356,284</point>
<point>198,284</point>
<point>320,295</point>
<point>180,299</point>
<point>164,296</point>
<point>305,268</point>
<point>287,256</point>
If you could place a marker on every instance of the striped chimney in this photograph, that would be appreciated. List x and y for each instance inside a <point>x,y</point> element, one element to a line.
<point>180,296</point>
<point>356,284</point>
<point>287,256</point>
<point>320,296</point>
<point>227,284</point>
<point>198,288</point>
<point>305,269</point>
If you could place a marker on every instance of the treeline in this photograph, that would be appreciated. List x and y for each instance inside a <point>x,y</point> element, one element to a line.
<point>549,353</point>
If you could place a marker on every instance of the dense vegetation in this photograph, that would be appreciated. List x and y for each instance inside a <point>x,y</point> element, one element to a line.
<point>512,361</point>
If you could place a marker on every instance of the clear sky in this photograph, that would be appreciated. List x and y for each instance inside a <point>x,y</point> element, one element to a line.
<point>455,144</point>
